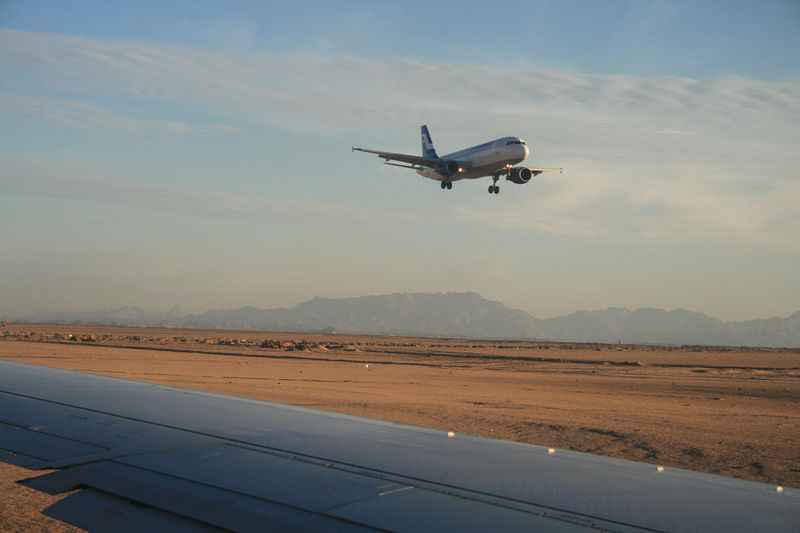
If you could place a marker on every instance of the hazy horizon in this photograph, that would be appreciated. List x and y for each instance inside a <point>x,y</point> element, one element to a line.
<point>184,312</point>
<point>198,155</point>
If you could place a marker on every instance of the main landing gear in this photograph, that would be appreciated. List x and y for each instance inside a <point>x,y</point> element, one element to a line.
<point>447,185</point>
<point>494,188</point>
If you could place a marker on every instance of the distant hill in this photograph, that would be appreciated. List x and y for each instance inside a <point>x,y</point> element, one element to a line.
<point>464,314</point>
<point>454,314</point>
<point>656,326</point>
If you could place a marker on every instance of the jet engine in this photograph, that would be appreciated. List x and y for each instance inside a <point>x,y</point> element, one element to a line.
<point>449,168</point>
<point>519,175</point>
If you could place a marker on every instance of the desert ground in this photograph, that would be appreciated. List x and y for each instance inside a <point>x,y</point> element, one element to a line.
<point>728,411</point>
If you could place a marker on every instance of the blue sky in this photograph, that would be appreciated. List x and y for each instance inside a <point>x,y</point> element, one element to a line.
<point>195,154</point>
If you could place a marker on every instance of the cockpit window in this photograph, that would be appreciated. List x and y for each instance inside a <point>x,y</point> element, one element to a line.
<point>515,142</point>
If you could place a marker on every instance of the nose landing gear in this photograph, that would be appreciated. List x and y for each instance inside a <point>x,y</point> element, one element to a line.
<point>447,185</point>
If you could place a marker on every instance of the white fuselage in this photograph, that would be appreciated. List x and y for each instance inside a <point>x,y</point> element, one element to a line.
<point>483,160</point>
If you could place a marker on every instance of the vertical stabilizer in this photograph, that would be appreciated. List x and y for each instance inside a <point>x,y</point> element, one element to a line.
<point>427,144</point>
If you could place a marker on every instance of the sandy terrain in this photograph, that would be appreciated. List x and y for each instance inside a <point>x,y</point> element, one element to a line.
<point>730,411</point>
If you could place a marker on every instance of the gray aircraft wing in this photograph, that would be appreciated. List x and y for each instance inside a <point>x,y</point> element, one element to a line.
<point>414,161</point>
<point>540,170</point>
<point>146,456</point>
<point>417,162</point>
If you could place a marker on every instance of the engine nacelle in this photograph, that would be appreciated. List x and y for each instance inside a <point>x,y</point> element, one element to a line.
<point>449,168</point>
<point>519,175</point>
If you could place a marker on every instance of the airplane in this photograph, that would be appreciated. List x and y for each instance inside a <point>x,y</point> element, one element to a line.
<point>136,456</point>
<point>494,158</point>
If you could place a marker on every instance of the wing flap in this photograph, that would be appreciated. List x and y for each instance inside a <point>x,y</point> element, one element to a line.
<point>97,511</point>
<point>160,496</point>
<point>29,447</point>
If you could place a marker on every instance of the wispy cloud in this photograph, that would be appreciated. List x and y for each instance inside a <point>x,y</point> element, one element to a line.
<point>692,204</point>
<point>646,158</point>
<point>77,114</point>
<point>32,178</point>
<point>353,92</point>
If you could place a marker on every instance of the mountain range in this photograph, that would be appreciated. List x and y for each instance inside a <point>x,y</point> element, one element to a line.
<point>463,314</point>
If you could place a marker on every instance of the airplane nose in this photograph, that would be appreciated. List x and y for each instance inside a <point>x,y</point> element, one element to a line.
<point>526,151</point>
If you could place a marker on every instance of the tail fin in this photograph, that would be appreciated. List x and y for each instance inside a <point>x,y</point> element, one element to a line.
<point>427,144</point>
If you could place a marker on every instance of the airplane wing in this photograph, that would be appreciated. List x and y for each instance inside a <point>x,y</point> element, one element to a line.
<point>537,171</point>
<point>414,161</point>
<point>146,456</point>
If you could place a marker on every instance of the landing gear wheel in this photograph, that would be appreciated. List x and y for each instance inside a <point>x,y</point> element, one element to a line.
<point>444,185</point>
<point>449,185</point>
<point>494,188</point>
